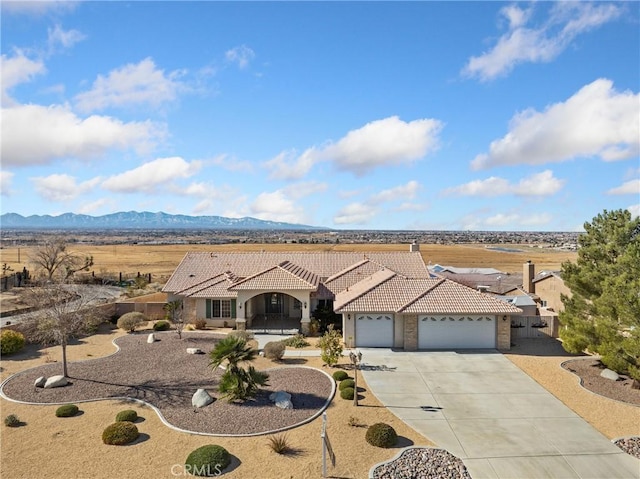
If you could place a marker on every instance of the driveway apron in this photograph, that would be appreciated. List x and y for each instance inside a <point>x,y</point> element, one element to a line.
<point>482,408</point>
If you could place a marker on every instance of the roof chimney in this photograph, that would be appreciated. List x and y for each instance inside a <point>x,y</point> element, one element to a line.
<point>528,273</point>
<point>414,247</point>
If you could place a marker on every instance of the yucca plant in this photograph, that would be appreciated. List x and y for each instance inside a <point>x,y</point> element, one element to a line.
<point>279,444</point>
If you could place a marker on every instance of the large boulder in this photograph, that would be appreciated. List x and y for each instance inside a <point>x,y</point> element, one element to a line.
<point>151,338</point>
<point>201,398</point>
<point>282,399</point>
<point>56,382</point>
<point>194,351</point>
<point>40,382</point>
<point>609,374</point>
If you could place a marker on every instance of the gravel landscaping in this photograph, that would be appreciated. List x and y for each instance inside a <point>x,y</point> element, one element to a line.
<point>422,463</point>
<point>166,376</point>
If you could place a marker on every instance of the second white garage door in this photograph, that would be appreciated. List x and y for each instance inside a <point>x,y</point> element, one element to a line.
<point>374,331</point>
<point>456,332</point>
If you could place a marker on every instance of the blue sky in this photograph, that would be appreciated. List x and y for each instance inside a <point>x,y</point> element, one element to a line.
<point>349,115</point>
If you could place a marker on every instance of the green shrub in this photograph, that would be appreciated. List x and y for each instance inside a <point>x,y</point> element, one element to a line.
<point>12,421</point>
<point>279,444</point>
<point>331,346</point>
<point>120,433</point>
<point>381,435</point>
<point>11,341</point>
<point>340,376</point>
<point>127,415</point>
<point>67,410</point>
<point>208,460</point>
<point>347,393</point>
<point>296,341</point>
<point>130,321</point>
<point>347,383</point>
<point>162,325</point>
<point>274,350</point>
<point>199,323</point>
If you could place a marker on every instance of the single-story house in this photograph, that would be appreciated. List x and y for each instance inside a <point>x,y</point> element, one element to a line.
<point>386,299</point>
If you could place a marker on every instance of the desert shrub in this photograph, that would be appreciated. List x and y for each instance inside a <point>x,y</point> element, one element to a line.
<point>11,421</point>
<point>208,460</point>
<point>296,341</point>
<point>381,435</point>
<point>347,383</point>
<point>130,321</point>
<point>120,433</point>
<point>67,410</point>
<point>279,444</point>
<point>354,422</point>
<point>199,323</point>
<point>162,325</point>
<point>330,346</point>
<point>340,376</point>
<point>274,350</point>
<point>127,415</point>
<point>347,393</point>
<point>11,341</point>
<point>245,335</point>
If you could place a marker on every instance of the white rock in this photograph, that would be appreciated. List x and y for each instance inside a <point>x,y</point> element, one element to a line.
<point>40,382</point>
<point>282,399</point>
<point>609,374</point>
<point>194,351</point>
<point>201,398</point>
<point>56,382</point>
<point>151,338</point>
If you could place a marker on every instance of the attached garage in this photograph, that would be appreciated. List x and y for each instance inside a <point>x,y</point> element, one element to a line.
<point>456,332</point>
<point>374,331</point>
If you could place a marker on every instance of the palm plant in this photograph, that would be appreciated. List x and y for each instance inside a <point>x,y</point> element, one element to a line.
<point>237,383</point>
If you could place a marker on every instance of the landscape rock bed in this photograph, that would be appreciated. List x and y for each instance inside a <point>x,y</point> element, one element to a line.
<point>422,463</point>
<point>589,369</point>
<point>164,375</point>
<point>630,445</point>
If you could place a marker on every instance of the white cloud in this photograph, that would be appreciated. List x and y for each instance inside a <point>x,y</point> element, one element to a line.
<point>276,206</point>
<point>38,7</point>
<point>631,187</point>
<point>57,36</point>
<point>6,179</point>
<point>539,184</point>
<point>152,176</point>
<point>634,210</point>
<point>33,134</point>
<point>230,163</point>
<point>411,207</point>
<point>398,193</point>
<point>355,214</point>
<point>596,121</point>
<point>536,219</point>
<point>541,43</point>
<point>89,208</point>
<point>386,142</point>
<point>241,55</point>
<point>305,188</point>
<point>62,187</point>
<point>503,221</point>
<point>132,84</point>
<point>16,70</point>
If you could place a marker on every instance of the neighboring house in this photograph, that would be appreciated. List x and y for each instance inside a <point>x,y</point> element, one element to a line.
<point>488,280</point>
<point>386,298</point>
<point>546,287</point>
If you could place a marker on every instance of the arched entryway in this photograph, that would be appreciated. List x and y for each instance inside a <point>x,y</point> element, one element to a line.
<point>274,312</point>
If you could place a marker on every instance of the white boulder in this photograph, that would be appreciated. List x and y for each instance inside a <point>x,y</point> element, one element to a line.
<point>282,399</point>
<point>56,382</point>
<point>201,398</point>
<point>40,382</point>
<point>609,374</point>
<point>151,338</point>
<point>194,351</point>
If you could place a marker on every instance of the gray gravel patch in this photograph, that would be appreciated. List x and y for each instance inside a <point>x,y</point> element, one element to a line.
<point>166,376</point>
<point>630,445</point>
<point>422,463</point>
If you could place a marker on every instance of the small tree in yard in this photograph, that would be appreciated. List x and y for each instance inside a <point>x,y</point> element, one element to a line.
<point>330,346</point>
<point>62,312</point>
<point>237,383</point>
<point>175,314</point>
<point>54,258</point>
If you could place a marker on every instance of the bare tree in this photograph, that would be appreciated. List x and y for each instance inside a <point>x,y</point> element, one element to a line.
<point>54,258</point>
<point>62,313</point>
<point>175,310</point>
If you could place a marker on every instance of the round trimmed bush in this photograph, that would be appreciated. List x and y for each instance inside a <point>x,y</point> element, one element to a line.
<point>347,393</point>
<point>274,350</point>
<point>381,435</point>
<point>347,383</point>
<point>127,415</point>
<point>130,321</point>
<point>162,325</point>
<point>11,421</point>
<point>68,410</point>
<point>120,433</point>
<point>11,341</point>
<point>340,376</point>
<point>208,460</point>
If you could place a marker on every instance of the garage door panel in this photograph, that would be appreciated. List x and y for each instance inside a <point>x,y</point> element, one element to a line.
<point>456,332</point>
<point>374,331</point>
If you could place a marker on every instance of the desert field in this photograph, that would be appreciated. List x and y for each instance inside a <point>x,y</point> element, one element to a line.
<point>161,260</point>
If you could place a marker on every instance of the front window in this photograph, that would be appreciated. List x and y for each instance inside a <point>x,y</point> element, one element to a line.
<point>218,308</point>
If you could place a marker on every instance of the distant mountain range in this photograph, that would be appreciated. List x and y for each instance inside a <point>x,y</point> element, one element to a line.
<point>144,220</point>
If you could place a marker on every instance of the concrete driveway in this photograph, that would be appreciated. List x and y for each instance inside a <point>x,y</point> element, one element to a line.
<point>482,408</point>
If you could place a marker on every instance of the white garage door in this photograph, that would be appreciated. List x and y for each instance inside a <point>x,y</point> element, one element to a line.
<point>456,332</point>
<point>374,331</point>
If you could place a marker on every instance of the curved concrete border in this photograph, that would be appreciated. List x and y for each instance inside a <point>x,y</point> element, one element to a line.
<point>581,383</point>
<point>159,413</point>
<point>400,453</point>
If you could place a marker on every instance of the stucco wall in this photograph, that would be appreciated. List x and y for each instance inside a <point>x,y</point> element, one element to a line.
<point>549,289</point>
